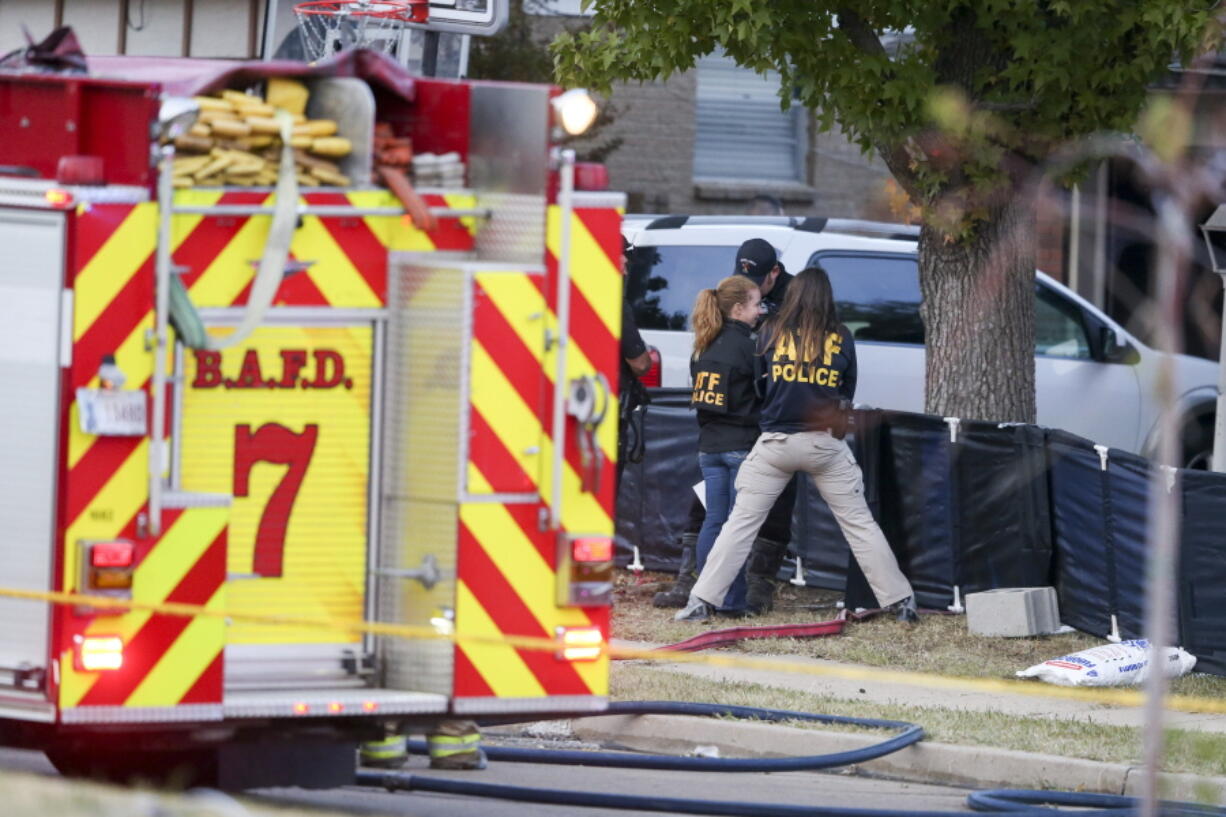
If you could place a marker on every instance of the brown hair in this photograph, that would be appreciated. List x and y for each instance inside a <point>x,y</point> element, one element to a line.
<point>713,305</point>
<point>807,312</point>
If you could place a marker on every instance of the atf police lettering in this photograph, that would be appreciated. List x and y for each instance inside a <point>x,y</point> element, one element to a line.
<point>709,389</point>
<point>803,366</point>
<point>712,379</point>
<point>328,371</point>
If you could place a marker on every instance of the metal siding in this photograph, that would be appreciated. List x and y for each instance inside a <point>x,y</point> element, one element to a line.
<point>741,131</point>
<point>30,288</point>
<point>422,435</point>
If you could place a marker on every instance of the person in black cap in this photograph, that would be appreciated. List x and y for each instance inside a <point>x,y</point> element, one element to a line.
<point>757,260</point>
<point>806,367</point>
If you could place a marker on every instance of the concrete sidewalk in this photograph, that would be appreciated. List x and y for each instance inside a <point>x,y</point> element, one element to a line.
<point>918,695</point>
<point>976,766</point>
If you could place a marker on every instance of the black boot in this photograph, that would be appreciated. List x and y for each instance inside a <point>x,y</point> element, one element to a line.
<point>760,570</point>
<point>904,611</point>
<point>679,592</point>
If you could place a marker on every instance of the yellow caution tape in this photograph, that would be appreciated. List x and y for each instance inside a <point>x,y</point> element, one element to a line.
<point>1116,697</point>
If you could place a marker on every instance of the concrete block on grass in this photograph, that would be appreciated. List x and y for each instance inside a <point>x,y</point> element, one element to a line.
<point>1013,612</point>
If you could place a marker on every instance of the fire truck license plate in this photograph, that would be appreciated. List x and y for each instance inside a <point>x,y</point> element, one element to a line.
<point>112,413</point>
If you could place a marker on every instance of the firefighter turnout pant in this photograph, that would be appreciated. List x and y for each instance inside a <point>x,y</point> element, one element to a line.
<point>836,475</point>
<point>390,753</point>
<point>456,745</point>
<point>452,744</point>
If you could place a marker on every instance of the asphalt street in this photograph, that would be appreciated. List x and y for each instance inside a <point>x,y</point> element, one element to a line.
<point>796,788</point>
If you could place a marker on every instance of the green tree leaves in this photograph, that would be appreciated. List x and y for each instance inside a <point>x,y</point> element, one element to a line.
<point>1028,75</point>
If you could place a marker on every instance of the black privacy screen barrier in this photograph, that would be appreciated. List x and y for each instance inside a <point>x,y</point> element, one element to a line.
<point>970,506</point>
<point>964,505</point>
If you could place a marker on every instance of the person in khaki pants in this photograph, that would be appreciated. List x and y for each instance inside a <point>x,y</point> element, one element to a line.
<point>806,368</point>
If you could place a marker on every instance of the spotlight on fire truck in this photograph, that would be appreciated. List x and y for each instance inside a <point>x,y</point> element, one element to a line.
<point>575,110</point>
<point>176,116</point>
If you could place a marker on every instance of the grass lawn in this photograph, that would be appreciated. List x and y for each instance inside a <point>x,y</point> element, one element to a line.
<point>940,644</point>
<point>1192,752</point>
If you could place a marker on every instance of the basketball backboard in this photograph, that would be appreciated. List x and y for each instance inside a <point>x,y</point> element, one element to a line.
<point>481,18</point>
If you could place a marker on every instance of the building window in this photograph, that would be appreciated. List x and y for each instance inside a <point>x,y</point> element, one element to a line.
<point>742,135</point>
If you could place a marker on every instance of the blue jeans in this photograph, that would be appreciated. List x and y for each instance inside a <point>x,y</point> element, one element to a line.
<point>719,474</point>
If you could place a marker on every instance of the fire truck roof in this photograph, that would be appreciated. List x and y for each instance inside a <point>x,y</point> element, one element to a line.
<point>189,76</point>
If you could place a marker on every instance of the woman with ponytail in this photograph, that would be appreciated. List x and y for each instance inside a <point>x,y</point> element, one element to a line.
<point>807,366</point>
<point>722,370</point>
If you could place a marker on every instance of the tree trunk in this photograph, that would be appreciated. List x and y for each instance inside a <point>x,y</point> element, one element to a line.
<point>978,312</point>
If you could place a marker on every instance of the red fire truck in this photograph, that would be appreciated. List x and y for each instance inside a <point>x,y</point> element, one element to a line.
<point>296,405</point>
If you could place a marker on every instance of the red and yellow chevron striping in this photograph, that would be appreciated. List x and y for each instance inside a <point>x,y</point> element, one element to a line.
<point>505,559</point>
<point>340,261</point>
<point>507,567</point>
<point>167,659</point>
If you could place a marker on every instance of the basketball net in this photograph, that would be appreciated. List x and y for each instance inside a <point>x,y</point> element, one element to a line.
<point>331,26</point>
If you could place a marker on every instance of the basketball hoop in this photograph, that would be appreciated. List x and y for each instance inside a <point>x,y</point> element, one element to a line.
<point>332,26</point>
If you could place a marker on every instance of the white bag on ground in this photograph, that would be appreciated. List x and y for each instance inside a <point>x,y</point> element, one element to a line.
<point>1109,665</point>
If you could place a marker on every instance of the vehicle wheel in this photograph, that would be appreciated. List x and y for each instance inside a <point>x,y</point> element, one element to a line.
<point>164,769</point>
<point>1197,444</point>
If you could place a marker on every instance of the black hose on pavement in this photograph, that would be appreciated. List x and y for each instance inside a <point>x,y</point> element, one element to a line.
<point>1025,800</point>
<point>908,733</point>
<point>1018,802</point>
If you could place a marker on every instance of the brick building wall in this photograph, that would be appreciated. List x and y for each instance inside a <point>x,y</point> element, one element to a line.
<point>655,163</point>
<point>848,183</point>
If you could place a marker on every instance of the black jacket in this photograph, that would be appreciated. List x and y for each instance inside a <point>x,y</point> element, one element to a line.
<point>801,394</point>
<point>724,393</point>
<point>629,386</point>
<point>772,300</point>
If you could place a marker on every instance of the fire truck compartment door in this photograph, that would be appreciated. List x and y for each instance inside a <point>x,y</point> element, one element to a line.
<point>463,423</point>
<point>32,303</point>
<point>282,421</point>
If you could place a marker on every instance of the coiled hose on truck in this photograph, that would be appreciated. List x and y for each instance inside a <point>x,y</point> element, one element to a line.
<point>1025,803</point>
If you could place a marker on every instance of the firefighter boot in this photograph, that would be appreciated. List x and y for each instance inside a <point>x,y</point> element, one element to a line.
<point>679,591</point>
<point>389,753</point>
<point>456,745</point>
<point>760,570</point>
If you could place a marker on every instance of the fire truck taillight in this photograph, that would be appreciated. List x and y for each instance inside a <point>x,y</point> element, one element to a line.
<point>107,569</point>
<point>585,571</point>
<point>112,554</point>
<point>99,652</point>
<point>580,643</point>
<point>592,549</point>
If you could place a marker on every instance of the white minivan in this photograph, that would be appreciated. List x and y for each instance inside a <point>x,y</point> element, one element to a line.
<point>1092,378</point>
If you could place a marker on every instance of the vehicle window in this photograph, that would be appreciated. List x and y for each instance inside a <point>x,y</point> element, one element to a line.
<point>878,296</point>
<point>662,282</point>
<point>1059,330</point>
